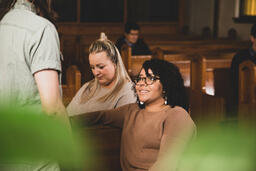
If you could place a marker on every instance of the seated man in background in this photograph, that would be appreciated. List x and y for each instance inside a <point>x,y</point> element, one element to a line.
<point>241,56</point>
<point>131,38</point>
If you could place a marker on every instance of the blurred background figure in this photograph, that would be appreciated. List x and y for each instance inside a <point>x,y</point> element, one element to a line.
<point>111,86</point>
<point>131,38</point>
<point>30,56</point>
<point>241,56</point>
<point>30,64</point>
<point>206,33</point>
<point>232,34</point>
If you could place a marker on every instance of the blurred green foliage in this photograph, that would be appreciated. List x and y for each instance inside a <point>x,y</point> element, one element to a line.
<point>28,135</point>
<point>222,148</point>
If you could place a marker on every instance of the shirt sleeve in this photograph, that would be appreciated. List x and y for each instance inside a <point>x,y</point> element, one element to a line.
<point>44,50</point>
<point>179,129</point>
<point>113,117</point>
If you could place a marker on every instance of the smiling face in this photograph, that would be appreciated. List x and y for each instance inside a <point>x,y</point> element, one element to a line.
<point>102,68</point>
<point>149,94</point>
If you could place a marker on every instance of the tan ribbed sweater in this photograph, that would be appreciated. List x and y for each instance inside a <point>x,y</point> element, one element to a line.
<point>125,96</point>
<point>148,138</point>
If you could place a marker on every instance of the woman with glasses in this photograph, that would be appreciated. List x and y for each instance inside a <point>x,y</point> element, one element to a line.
<point>158,126</point>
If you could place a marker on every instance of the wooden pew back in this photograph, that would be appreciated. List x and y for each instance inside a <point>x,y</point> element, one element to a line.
<point>206,108</point>
<point>106,142</point>
<point>73,79</point>
<point>247,93</point>
<point>199,45</point>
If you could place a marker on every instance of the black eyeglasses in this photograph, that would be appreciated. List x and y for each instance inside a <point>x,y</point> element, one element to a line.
<point>149,80</point>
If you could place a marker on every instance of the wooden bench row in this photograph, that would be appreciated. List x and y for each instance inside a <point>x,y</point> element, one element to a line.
<point>75,49</point>
<point>197,69</point>
<point>199,46</point>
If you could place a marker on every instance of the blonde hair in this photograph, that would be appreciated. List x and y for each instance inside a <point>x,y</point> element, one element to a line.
<point>121,75</point>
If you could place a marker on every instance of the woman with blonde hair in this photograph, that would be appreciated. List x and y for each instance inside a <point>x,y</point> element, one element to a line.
<point>111,86</point>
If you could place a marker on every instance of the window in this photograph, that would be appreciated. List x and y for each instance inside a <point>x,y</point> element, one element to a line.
<point>66,10</point>
<point>89,11</point>
<point>245,11</point>
<point>152,10</point>
<point>102,10</point>
<point>248,7</point>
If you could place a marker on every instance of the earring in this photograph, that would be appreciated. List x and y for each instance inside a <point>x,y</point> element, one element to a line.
<point>141,103</point>
<point>165,100</point>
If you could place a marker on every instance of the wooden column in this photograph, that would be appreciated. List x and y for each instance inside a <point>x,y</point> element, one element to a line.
<point>125,11</point>
<point>197,75</point>
<point>216,18</point>
<point>181,13</point>
<point>78,11</point>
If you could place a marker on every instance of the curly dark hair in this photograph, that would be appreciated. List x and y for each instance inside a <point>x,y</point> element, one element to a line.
<point>43,8</point>
<point>171,80</point>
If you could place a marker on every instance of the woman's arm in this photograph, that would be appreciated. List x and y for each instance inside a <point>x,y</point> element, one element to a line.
<point>179,129</point>
<point>113,117</point>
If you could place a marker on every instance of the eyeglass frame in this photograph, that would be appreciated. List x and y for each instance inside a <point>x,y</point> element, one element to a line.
<point>150,77</point>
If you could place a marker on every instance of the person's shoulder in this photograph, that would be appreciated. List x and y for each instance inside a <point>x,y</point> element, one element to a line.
<point>29,20</point>
<point>128,85</point>
<point>140,41</point>
<point>179,116</point>
<point>127,93</point>
<point>43,24</point>
<point>178,113</point>
<point>241,55</point>
<point>85,86</point>
<point>120,39</point>
<point>128,88</point>
<point>177,110</point>
<point>242,52</point>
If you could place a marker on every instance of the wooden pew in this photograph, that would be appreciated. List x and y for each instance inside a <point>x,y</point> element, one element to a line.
<point>210,73</point>
<point>215,68</point>
<point>205,108</point>
<point>199,66</point>
<point>105,146</point>
<point>73,79</point>
<point>247,94</point>
<point>75,49</point>
<point>199,45</point>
